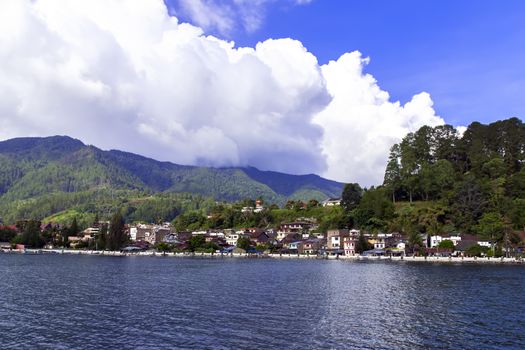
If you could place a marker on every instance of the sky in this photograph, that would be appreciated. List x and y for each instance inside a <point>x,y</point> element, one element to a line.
<point>298,86</point>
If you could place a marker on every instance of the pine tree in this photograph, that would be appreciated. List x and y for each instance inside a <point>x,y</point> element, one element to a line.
<point>116,237</point>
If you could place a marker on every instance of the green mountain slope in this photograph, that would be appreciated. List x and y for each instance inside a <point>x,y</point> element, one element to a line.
<point>42,176</point>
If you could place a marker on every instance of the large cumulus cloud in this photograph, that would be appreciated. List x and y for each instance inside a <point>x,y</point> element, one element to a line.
<point>127,75</point>
<point>361,124</point>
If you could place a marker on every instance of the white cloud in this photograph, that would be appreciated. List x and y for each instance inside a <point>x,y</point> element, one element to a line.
<point>209,15</point>
<point>126,75</point>
<point>223,16</point>
<point>360,124</point>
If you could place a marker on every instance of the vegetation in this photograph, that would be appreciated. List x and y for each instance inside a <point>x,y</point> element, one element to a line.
<point>473,182</point>
<point>7,234</point>
<point>436,181</point>
<point>116,236</point>
<point>43,177</point>
<point>30,234</point>
<point>244,243</point>
<point>446,244</point>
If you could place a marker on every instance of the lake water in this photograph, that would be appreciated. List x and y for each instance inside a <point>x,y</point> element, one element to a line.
<point>61,301</point>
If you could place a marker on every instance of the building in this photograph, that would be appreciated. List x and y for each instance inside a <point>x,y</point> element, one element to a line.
<point>292,227</point>
<point>259,237</point>
<point>91,232</point>
<point>151,234</point>
<point>258,206</point>
<point>383,240</point>
<point>331,202</point>
<point>233,236</point>
<point>334,241</point>
<point>436,239</point>
<point>310,246</point>
<point>291,240</point>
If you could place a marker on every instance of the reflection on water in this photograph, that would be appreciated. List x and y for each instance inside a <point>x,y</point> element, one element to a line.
<point>139,302</point>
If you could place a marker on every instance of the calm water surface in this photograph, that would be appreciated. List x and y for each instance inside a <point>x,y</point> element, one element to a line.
<point>52,301</point>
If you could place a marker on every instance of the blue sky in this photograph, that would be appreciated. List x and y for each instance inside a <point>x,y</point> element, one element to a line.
<point>468,55</point>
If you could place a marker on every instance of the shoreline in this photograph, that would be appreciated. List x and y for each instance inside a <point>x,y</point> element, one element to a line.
<point>429,259</point>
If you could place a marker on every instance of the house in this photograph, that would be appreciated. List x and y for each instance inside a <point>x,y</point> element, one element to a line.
<point>291,239</point>
<point>374,252</point>
<point>439,251</point>
<point>437,239</point>
<point>91,232</point>
<point>219,241</point>
<point>295,246</point>
<point>350,242</point>
<point>292,227</point>
<point>259,237</point>
<point>183,236</point>
<point>334,241</point>
<point>464,246</point>
<point>149,233</point>
<point>233,237</point>
<point>310,246</point>
<point>217,233</point>
<point>383,240</point>
<point>331,202</point>
<point>171,238</point>
<point>258,206</point>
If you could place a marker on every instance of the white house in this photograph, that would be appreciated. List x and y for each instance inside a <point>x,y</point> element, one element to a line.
<point>133,233</point>
<point>331,202</point>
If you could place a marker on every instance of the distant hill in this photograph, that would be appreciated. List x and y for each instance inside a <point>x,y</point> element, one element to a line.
<point>36,168</point>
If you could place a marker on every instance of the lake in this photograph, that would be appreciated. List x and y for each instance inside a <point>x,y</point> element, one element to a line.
<point>67,301</point>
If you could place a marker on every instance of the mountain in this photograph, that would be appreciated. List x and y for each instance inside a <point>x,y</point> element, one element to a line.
<point>59,169</point>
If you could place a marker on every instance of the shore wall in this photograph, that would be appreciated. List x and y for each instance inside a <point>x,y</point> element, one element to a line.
<point>421,259</point>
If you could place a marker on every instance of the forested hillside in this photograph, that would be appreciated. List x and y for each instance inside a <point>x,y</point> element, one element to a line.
<point>40,177</point>
<point>473,182</point>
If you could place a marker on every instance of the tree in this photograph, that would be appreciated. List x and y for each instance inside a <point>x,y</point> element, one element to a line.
<point>313,203</point>
<point>7,234</point>
<point>446,244</point>
<point>393,171</point>
<point>491,226</point>
<point>244,243</point>
<point>30,235</point>
<point>196,242</point>
<point>351,196</point>
<point>73,229</point>
<point>477,250</point>
<point>374,204</point>
<point>101,237</point>
<point>163,247</point>
<point>436,178</point>
<point>362,244</point>
<point>116,237</point>
<point>96,220</point>
<point>415,243</point>
<point>468,203</point>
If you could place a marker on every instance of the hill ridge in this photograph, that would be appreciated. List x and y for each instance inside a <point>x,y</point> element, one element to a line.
<point>33,167</point>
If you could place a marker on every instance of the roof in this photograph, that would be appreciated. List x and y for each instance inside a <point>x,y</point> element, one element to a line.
<point>465,244</point>
<point>258,234</point>
<point>291,237</point>
<point>374,251</point>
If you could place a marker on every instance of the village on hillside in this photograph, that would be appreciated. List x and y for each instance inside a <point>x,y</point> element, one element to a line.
<point>299,237</point>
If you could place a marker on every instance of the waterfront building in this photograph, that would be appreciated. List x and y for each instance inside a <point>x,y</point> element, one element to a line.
<point>334,241</point>
<point>151,234</point>
<point>310,246</point>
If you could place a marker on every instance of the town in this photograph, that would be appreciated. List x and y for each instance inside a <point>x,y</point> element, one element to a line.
<point>302,237</point>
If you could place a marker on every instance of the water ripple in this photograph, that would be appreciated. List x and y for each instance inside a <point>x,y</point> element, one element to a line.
<point>79,302</point>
